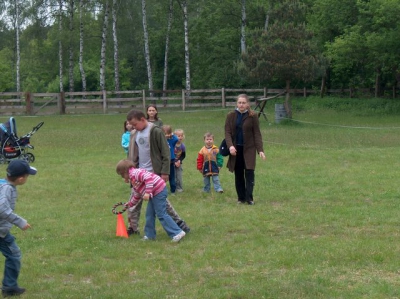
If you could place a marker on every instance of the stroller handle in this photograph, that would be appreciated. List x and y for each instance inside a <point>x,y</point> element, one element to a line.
<point>34,130</point>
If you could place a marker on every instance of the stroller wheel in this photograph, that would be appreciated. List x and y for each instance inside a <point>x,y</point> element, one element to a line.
<point>31,157</point>
<point>28,157</point>
<point>2,159</point>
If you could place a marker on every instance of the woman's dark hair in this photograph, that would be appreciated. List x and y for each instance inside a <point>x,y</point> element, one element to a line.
<point>152,106</point>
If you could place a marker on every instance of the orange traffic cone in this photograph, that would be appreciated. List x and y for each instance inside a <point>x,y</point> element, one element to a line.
<point>121,228</point>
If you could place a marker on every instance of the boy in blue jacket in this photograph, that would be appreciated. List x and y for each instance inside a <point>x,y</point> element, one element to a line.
<point>17,174</point>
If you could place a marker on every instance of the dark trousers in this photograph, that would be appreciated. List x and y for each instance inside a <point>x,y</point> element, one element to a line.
<point>244,178</point>
<point>172,183</point>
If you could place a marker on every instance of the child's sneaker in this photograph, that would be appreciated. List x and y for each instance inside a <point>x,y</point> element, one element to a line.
<point>178,237</point>
<point>13,292</point>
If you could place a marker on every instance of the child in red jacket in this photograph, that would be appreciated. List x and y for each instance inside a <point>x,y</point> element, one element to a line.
<point>209,162</point>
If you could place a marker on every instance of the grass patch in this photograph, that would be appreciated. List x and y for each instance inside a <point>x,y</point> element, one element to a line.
<point>325,223</point>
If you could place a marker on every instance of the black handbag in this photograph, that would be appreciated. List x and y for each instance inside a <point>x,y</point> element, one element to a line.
<point>223,149</point>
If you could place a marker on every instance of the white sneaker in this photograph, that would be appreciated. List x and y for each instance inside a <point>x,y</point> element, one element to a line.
<point>178,237</point>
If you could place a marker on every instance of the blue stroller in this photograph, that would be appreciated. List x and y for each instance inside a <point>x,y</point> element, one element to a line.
<point>14,147</point>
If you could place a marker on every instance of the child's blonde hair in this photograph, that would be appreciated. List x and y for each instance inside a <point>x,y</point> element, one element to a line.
<point>180,132</point>
<point>167,129</point>
<point>123,166</point>
<point>208,134</point>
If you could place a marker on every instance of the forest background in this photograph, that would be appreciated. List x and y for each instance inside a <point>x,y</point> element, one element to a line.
<point>90,45</point>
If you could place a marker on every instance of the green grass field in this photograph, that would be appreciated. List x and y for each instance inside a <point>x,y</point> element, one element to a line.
<point>325,223</point>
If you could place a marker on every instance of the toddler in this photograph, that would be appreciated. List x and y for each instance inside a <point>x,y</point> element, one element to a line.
<point>180,154</point>
<point>209,162</point>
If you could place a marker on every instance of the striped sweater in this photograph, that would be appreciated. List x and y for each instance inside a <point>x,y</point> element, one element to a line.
<point>143,182</point>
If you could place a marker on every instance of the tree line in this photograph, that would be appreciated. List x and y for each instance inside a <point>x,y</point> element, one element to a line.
<point>91,45</point>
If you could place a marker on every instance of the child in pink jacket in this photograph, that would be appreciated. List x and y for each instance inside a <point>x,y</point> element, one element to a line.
<point>151,187</point>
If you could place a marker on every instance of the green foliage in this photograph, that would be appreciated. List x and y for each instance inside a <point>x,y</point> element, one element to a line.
<point>6,70</point>
<point>300,35</point>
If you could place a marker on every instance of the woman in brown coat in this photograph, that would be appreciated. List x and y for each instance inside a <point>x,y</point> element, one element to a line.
<point>243,138</point>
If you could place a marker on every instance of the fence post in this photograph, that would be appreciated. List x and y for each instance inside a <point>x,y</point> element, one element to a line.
<point>61,102</point>
<point>305,92</point>
<point>144,99</point>
<point>183,100</point>
<point>29,103</point>
<point>104,101</point>
<point>265,92</point>
<point>223,97</point>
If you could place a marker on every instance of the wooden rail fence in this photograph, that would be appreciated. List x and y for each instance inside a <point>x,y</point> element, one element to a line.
<point>27,103</point>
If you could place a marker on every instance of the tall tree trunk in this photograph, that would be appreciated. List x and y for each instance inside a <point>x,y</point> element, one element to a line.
<point>18,50</point>
<point>146,45</point>
<point>60,49</point>
<point>288,101</point>
<point>103,48</point>
<point>377,82</point>
<point>81,68</point>
<point>115,38</point>
<point>187,58</point>
<point>170,14</point>
<point>71,47</point>
<point>266,22</point>
<point>323,86</point>
<point>243,29</point>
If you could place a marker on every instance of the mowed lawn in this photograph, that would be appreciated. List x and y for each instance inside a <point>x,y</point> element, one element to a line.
<point>325,223</point>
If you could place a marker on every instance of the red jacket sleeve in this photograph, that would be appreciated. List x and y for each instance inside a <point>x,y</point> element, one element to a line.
<point>200,161</point>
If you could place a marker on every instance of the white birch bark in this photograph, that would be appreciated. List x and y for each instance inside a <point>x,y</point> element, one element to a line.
<point>115,38</point>
<point>170,14</point>
<point>103,47</point>
<point>146,45</point>
<point>18,54</point>
<point>60,49</point>
<point>81,68</point>
<point>266,22</point>
<point>71,50</point>
<point>243,29</point>
<point>187,58</point>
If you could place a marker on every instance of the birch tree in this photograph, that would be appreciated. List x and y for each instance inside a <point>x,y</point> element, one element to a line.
<point>184,6</point>
<point>103,47</point>
<point>71,46</point>
<point>146,45</point>
<point>243,29</point>
<point>60,47</point>
<point>18,50</point>
<point>115,38</point>
<point>170,15</point>
<point>81,68</point>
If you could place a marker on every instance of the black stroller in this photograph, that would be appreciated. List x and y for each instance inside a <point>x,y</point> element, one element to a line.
<point>14,147</point>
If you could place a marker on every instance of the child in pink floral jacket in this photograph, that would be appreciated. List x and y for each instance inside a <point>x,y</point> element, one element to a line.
<point>149,186</point>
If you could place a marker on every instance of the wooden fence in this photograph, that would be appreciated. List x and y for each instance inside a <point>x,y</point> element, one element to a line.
<point>26,103</point>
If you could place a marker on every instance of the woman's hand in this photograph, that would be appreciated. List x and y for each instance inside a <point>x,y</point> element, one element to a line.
<point>262,155</point>
<point>232,150</point>
<point>146,196</point>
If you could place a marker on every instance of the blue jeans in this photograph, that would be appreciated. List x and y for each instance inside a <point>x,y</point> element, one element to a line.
<point>157,206</point>
<point>12,265</point>
<point>215,179</point>
<point>172,183</point>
